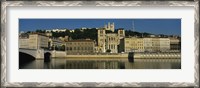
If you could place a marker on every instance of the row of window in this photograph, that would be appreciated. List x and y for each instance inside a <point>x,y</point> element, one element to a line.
<point>78,43</point>
<point>79,48</point>
<point>112,46</point>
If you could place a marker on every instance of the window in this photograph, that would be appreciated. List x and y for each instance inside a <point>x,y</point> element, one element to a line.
<point>111,46</point>
<point>121,32</point>
<point>101,31</point>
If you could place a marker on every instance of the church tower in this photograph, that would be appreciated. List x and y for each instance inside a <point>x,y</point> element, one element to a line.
<point>101,40</point>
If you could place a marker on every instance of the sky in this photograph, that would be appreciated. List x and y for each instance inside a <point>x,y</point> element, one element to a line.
<point>154,26</point>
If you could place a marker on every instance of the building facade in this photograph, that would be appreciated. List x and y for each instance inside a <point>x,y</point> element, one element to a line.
<point>121,33</point>
<point>56,44</point>
<point>24,43</point>
<point>34,41</point>
<point>147,42</point>
<point>133,44</point>
<point>109,41</point>
<point>155,44</point>
<point>101,40</point>
<point>175,44</point>
<point>164,44</point>
<point>80,47</point>
<point>37,41</point>
<point>112,42</point>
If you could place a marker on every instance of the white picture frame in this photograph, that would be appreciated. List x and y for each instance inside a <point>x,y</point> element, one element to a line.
<point>4,43</point>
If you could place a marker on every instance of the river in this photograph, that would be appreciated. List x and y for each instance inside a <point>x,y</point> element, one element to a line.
<point>63,63</point>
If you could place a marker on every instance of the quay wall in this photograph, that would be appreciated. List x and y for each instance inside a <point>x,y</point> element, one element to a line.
<point>60,54</point>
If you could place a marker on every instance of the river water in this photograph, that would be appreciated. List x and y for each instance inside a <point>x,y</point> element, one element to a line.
<point>63,63</point>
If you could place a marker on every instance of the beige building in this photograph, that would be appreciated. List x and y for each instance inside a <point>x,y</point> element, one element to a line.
<point>56,44</point>
<point>109,41</point>
<point>164,44</point>
<point>49,34</point>
<point>80,47</point>
<point>133,44</point>
<point>112,42</point>
<point>24,43</point>
<point>35,41</point>
<point>147,42</point>
<point>101,40</point>
<point>155,44</point>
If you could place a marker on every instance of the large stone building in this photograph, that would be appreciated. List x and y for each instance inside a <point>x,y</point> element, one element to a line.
<point>175,44</point>
<point>164,44</point>
<point>56,44</point>
<point>37,41</point>
<point>135,44</point>
<point>80,47</point>
<point>101,40</point>
<point>121,33</point>
<point>112,42</point>
<point>34,41</point>
<point>148,44</point>
<point>109,41</point>
<point>155,44</point>
<point>24,43</point>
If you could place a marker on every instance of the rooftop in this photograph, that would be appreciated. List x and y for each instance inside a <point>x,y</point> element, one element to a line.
<point>81,40</point>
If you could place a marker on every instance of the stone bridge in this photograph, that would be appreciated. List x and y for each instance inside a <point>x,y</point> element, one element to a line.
<point>36,53</point>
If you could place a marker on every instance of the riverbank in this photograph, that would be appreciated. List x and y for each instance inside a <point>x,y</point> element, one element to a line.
<point>120,55</point>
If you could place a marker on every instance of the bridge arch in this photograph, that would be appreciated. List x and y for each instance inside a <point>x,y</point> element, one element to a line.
<point>24,58</point>
<point>47,57</point>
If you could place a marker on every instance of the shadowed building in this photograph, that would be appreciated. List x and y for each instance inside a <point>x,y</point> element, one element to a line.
<point>80,47</point>
<point>175,44</point>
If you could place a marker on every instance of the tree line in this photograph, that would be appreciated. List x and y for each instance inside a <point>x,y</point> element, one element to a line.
<point>92,33</point>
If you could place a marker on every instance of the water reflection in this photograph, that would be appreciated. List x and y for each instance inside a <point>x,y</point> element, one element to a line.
<point>104,64</point>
